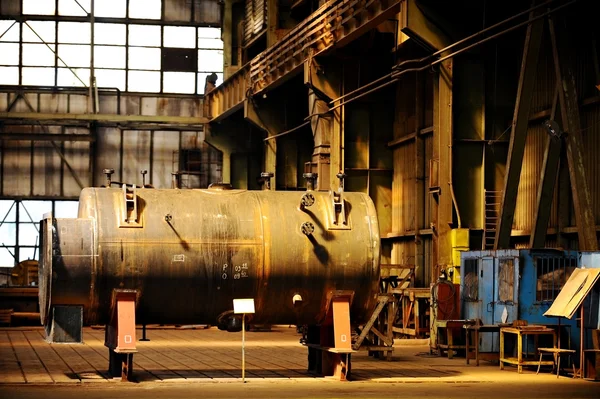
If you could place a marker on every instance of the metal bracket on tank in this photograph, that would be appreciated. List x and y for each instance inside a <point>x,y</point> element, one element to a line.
<point>337,204</point>
<point>338,216</point>
<point>130,216</point>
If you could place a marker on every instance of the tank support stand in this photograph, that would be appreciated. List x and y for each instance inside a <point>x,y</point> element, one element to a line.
<point>330,344</point>
<point>120,335</point>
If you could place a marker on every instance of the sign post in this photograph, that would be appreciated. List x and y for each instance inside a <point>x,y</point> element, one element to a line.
<point>243,306</point>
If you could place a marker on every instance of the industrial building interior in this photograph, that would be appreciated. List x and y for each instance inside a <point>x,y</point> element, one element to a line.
<point>308,196</point>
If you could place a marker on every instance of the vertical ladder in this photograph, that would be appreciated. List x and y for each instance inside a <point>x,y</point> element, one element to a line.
<point>492,199</point>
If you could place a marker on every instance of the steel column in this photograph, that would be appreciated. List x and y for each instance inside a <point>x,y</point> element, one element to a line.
<point>582,201</point>
<point>419,177</point>
<point>531,51</point>
<point>550,168</point>
<point>269,119</point>
<point>442,203</point>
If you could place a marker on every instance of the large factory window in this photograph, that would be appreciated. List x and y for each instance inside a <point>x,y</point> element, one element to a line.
<point>19,227</point>
<point>552,274</point>
<point>146,56</point>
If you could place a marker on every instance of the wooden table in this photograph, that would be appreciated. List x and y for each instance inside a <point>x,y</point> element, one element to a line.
<point>450,327</point>
<point>476,329</point>
<point>521,332</point>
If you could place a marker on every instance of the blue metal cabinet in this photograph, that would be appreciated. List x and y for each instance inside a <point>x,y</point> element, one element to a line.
<point>490,289</point>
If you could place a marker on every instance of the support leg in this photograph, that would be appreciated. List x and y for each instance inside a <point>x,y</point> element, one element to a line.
<point>120,365</point>
<point>477,347</point>
<point>120,334</point>
<point>144,333</point>
<point>519,353</point>
<point>501,350</point>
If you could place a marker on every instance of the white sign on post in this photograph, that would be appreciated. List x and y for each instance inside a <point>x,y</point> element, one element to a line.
<point>243,306</point>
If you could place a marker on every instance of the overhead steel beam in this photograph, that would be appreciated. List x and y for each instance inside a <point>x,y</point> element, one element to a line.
<point>550,167</point>
<point>110,118</point>
<point>6,136</point>
<point>516,150</point>
<point>582,201</point>
<point>416,25</point>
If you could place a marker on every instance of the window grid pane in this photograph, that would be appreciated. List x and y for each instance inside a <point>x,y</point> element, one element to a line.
<point>116,59</point>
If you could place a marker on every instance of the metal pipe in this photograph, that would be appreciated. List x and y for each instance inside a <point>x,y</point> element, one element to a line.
<point>287,131</point>
<point>92,98</point>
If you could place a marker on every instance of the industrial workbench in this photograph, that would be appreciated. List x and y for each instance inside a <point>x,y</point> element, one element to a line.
<point>520,332</point>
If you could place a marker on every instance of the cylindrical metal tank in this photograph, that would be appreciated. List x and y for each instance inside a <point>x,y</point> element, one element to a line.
<point>189,253</point>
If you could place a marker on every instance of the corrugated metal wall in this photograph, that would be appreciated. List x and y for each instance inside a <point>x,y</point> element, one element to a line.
<point>544,92</point>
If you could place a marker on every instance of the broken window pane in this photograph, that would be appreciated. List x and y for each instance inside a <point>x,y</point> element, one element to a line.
<point>70,7</point>
<point>110,8</point>
<point>179,82</point>
<point>144,58</point>
<point>109,34</point>
<point>67,78</point>
<point>144,35</point>
<point>10,54</point>
<point>506,280</point>
<point>45,29</point>
<point>108,78</point>
<point>210,60</point>
<point>180,36</point>
<point>74,55</point>
<point>202,80</point>
<point>10,29</point>
<point>38,54</point>
<point>210,38</point>
<point>74,32</point>
<point>148,9</point>
<point>38,7</point>
<point>144,81</point>
<point>109,57</point>
<point>38,76</point>
<point>9,75</point>
<point>179,60</point>
<point>470,283</point>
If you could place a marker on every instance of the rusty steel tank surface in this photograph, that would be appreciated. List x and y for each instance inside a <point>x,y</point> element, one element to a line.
<point>189,253</point>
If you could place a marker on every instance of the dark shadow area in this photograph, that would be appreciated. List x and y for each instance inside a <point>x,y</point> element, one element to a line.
<point>319,250</point>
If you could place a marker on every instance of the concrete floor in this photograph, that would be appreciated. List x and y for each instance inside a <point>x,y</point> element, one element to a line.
<point>180,363</point>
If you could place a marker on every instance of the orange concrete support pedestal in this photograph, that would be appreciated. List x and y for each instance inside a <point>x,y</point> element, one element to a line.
<point>120,336</point>
<point>330,344</point>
